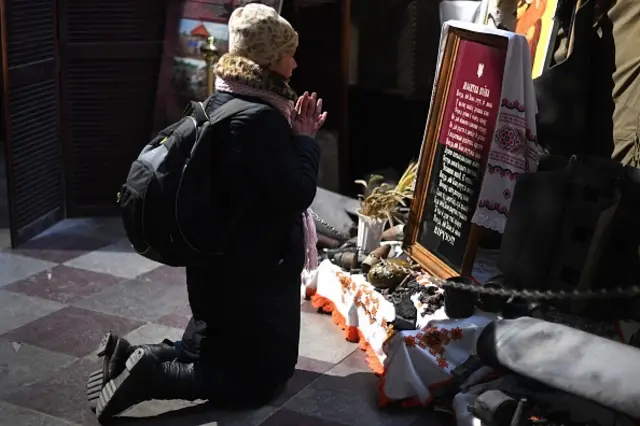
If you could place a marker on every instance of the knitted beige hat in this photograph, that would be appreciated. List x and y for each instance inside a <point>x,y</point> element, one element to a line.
<point>258,33</point>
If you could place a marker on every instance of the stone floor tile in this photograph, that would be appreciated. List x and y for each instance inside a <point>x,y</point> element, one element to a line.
<point>69,225</point>
<point>166,275</point>
<point>320,339</point>
<point>62,395</point>
<point>290,418</point>
<point>17,416</point>
<point>357,361</point>
<point>308,370</point>
<point>176,320</point>
<point>72,330</point>
<point>145,301</point>
<point>428,417</point>
<point>144,412</point>
<point>117,259</point>
<point>17,310</point>
<point>348,396</point>
<point>180,413</point>
<point>21,364</point>
<point>60,247</point>
<point>153,333</point>
<point>14,267</point>
<point>104,228</point>
<point>307,307</point>
<point>63,284</point>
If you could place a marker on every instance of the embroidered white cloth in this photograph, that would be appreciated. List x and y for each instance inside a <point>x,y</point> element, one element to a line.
<point>358,303</point>
<point>514,148</point>
<point>419,361</point>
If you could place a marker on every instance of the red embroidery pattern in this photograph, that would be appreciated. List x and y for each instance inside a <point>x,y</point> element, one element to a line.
<point>364,299</point>
<point>434,340</point>
<point>493,206</point>
<point>530,136</point>
<point>513,105</point>
<point>509,139</point>
<point>493,169</point>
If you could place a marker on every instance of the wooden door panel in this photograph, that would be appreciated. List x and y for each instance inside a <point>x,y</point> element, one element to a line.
<point>30,85</point>
<point>107,127</point>
<point>111,55</point>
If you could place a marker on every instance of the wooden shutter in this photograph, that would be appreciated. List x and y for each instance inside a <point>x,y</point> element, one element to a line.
<point>30,83</point>
<point>110,52</point>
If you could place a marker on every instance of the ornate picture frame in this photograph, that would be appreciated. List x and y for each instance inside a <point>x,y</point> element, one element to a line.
<point>458,135</point>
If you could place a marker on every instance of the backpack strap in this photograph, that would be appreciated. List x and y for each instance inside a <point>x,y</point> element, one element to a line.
<point>232,108</point>
<point>199,112</point>
<point>227,110</point>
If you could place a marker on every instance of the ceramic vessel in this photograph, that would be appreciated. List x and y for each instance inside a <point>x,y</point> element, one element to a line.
<point>370,231</point>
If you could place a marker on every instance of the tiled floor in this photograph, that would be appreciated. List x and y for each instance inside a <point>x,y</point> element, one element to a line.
<point>60,293</point>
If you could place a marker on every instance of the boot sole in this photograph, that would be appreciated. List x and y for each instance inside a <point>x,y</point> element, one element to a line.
<point>99,378</point>
<point>119,389</point>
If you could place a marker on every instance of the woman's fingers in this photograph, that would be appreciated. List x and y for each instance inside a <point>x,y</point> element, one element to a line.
<point>311,111</point>
<point>299,102</point>
<point>310,107</point>
<point>304,107</point>
<point>321,120</point>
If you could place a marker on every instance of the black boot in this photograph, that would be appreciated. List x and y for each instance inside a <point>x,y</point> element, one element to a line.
<point>115,351</point>
<point>144,378</point>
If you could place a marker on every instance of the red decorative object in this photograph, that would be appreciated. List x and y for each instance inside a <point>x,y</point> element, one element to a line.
<point>200,31</point>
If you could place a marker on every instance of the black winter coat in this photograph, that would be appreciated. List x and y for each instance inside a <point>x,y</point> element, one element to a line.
<point>246,305</point>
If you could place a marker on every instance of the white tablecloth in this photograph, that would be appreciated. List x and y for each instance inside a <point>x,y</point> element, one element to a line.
<point>419,360</point>
<point>364,313</point>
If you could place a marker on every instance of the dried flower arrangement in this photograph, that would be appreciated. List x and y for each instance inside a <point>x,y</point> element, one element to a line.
<point>383,201</point>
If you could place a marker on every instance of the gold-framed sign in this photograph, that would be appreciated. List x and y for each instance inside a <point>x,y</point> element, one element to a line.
<point>457,140</point>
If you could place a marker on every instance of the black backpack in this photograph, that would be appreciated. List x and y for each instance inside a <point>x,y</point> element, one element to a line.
<point>169,184</point>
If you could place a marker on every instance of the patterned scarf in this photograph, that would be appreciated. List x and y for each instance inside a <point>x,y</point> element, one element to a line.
<point>285,106</point>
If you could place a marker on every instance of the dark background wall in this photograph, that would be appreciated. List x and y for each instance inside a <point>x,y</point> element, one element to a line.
<point>389,102</point>
<point>379,119</point>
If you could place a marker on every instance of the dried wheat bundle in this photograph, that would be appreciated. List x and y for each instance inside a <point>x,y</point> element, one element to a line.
<point>383,201</point>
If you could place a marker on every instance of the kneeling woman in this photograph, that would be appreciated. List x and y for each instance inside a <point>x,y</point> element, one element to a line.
<point>241,344</point>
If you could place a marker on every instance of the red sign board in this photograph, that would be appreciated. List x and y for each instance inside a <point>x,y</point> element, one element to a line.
<point>457,142</point>
<point>473,99</point>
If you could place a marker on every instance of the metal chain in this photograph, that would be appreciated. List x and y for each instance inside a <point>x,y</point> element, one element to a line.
<point>612,293</point>
<point>329,227</point>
